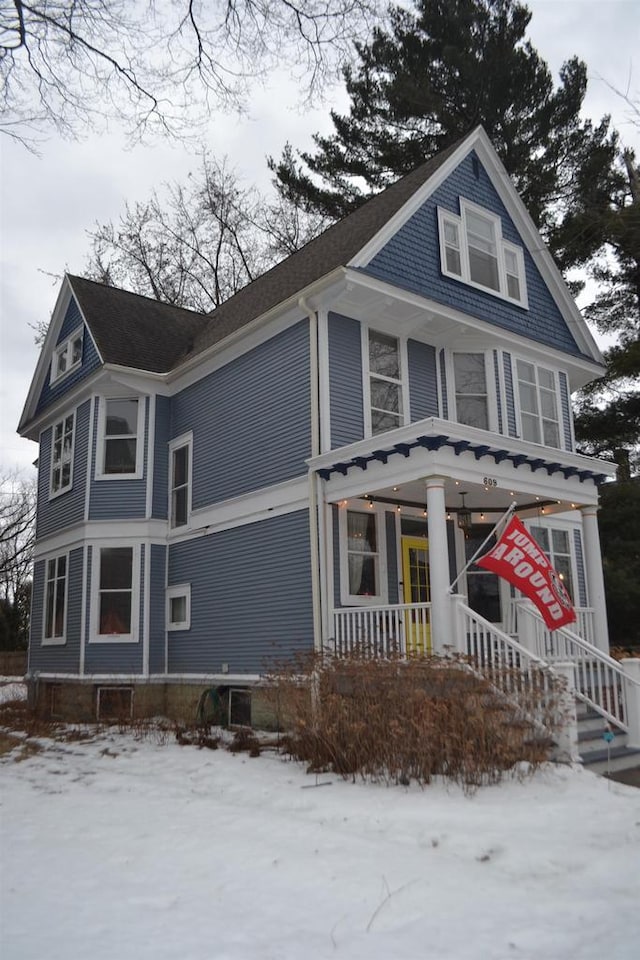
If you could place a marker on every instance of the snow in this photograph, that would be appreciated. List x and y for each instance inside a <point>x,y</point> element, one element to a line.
<point>11,689</point>
<point>131,848</point>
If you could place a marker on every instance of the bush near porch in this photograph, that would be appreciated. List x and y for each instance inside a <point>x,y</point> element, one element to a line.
<point>398,720</point>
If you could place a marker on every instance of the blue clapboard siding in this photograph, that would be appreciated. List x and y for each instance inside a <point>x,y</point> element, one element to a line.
<point>251,600</point>
<point>161,458</point>
<point>67,508</point>
<point>251,419</point>
<point>392,556</point>
<point>443,386</point>
<point>496,375</point>
<point>90,360</point>
<point>411,260</point>
<point>120,499</point>
<point>565,407</point>
<point>345,380</point>
<point>111,656</point>
<point>423,380</point>
<point>157,609</point>
<point>510,397</point>
<point>64,658</point>
<point>581,589</point>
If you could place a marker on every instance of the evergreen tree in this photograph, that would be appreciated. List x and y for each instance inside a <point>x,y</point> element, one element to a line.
<point>437,73</point>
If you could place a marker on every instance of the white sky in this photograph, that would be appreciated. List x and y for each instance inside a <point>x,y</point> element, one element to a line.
<point>48,203</point>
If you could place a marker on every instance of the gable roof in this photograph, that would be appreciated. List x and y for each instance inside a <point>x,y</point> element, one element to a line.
<point>136,331</point>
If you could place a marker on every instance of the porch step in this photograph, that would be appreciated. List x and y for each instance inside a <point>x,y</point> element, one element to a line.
<point>595,754</point>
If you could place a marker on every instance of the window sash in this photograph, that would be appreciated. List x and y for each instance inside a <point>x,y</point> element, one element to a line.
<point>471,391</point>
<point>539,404</point>
<point>180,485</point>
<point>362,554</point>
<point>120,436</point>
<point>55,599</point>
<point>178,607</point>
<point>62,443</point>
<point>386,404</point>
<point>115,592</point>
<point>67,355</point>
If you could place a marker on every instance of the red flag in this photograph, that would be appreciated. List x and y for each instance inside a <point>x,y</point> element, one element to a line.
<point>517,558</point>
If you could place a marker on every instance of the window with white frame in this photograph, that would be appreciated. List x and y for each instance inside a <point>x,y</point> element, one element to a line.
<point>179,607</point>
<point>180,481</point>
<point>114,603</point>
<point>362,554</point>
<point>473,250</point>
<point>538,395</point>
<point>556,544</point>
<point>471,394</point>
<point>385,382</point>
<point>67,355</point>
<point>120,437</point>
<point>62,437</point>
<point>55,599</point>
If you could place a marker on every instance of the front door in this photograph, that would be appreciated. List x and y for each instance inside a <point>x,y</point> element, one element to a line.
<point>415,580</point>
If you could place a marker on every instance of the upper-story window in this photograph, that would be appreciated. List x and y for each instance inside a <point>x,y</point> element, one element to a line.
<point>538,394</point>
<point>62,455</point>
<point>471,394</point>
<point>180,481</point>
<point>385,382</point>
<point>473,250</point>
<point>67,355</point>
<point>120,438</point>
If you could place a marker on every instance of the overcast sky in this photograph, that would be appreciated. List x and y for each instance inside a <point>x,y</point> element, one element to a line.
<point>49,202</point>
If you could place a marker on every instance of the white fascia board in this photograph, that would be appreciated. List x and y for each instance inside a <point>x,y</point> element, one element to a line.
<point>138,531</point>
<point>479,141</point>
<point>581,368</point>
<point>258,330</point>
<point>57,318</point>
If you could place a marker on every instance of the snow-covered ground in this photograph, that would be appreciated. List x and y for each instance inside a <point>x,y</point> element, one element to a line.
<point>120,849</point>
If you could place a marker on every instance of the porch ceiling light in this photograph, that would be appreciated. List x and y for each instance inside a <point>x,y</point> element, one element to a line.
<point>464,515</point>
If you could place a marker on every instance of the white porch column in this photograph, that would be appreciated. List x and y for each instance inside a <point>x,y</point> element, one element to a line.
<point>441,620</point>
<point>595,579</point>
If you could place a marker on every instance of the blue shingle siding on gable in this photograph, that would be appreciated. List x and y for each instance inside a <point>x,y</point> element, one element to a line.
<point>120,499</point>
<point>510,398</point>
<point>250,419</point>
<point>581,586</point>
<point>411,260</point>
<point>67,508</point>
<point>250,597</point>
<point>161,458</point>
<point>345,380</point>
<point>566,411</point>
<point>63,658</point>
<point>90,360</point>
<point>423,380</point>
<point>157,609</point>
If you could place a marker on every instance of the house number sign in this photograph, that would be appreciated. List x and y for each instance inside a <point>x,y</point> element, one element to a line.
<point>489,482</point>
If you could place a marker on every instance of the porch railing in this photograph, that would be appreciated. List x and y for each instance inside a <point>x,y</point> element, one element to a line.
<point>584,625</point>
<point>392,630</point>
<point>600,681</point>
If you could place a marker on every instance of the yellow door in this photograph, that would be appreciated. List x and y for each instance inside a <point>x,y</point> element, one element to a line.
<point>415,579</point>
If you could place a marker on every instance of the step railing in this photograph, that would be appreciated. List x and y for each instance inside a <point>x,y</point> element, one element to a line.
<point>389,630</point>
<point>584,626</point>
<point>600,682</point>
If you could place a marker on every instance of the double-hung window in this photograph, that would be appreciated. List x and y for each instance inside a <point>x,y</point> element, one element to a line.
<point>67,355</point>
<point>471,395</point>
<point>120,453</point>
<point>62,455</point>
<point>555,543</point>
<point>362,555</point>
<point>473,250</point>
<point>385,383</point>
<point>114,599</point>
<point>180,481</point>
<point>55,600</point>
<point>538,393</point>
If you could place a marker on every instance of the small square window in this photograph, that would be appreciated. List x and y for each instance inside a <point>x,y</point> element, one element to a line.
<point>179,607</point>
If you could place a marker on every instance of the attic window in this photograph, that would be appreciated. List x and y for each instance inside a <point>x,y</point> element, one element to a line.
<point>67,356</point>
<point>472,250</point>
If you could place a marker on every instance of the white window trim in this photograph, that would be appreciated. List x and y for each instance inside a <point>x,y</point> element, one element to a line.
<point>55,641</point>
<point>173,592</point>
<point>134,635</point>
<point>516,394</point>
<point>346,598</point>
<point>101,437</point>
<point>185,440</point>
<point>492,399</point>
<point>460,223</point>
<point>550,524</point>
<point>366,373</point>
<point>61,348</point>
<point>56,493</point>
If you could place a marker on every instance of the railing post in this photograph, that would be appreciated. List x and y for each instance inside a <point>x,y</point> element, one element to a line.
<point>568,733</point>
<point>631,668</point>
<point>459,639</point>
<point>527,628</point>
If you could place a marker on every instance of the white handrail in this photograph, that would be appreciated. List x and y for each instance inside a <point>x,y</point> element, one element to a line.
<point>382,630</point>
